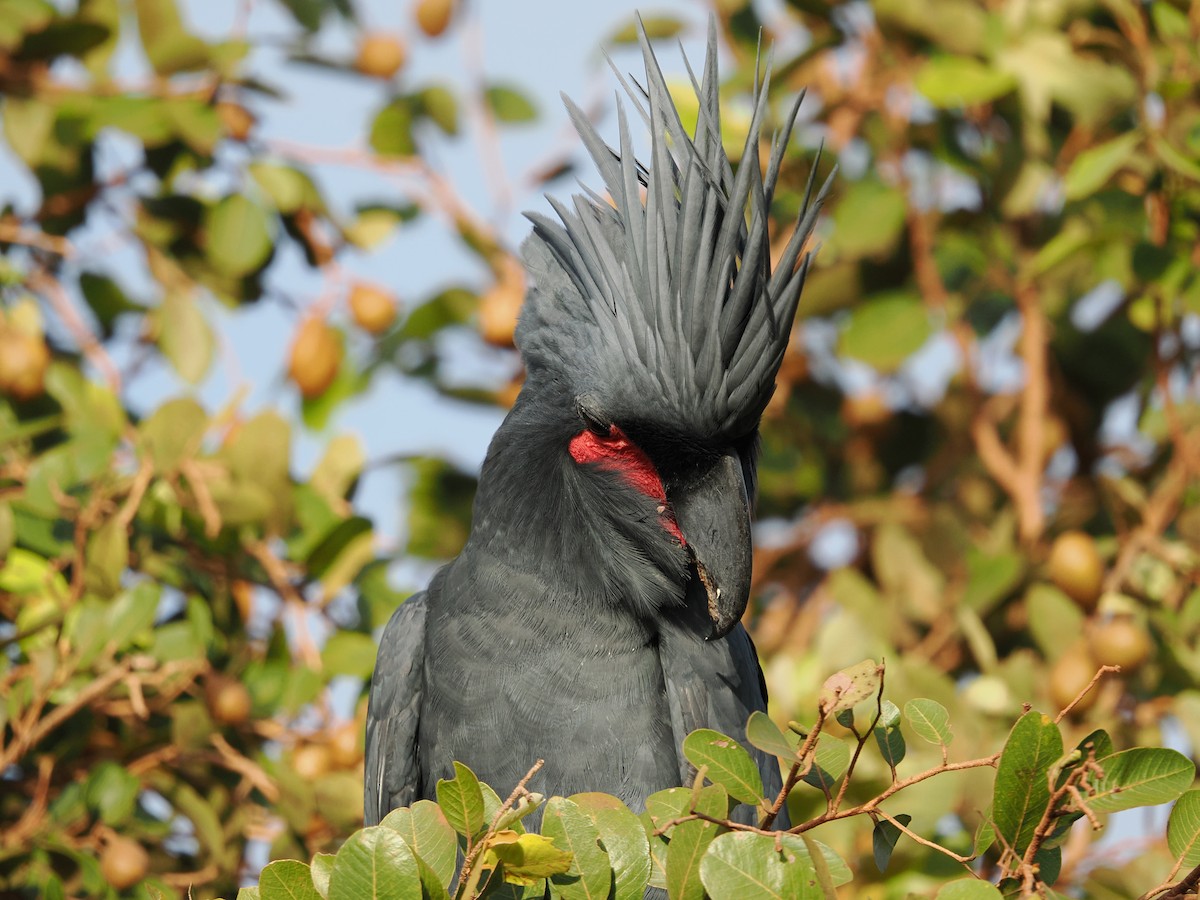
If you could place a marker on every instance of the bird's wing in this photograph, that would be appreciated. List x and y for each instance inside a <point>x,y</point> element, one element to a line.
<point>392,775</point>
<point>716,684</point>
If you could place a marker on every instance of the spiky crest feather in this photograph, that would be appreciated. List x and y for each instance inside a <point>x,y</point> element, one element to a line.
<point>666,307</point>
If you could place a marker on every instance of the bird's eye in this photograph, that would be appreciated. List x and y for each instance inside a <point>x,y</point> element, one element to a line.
<point>594,423</point>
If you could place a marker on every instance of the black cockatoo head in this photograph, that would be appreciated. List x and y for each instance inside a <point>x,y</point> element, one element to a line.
<point>656,324</point>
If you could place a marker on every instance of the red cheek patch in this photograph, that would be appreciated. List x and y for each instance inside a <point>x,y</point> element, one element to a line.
<point>616,453</point>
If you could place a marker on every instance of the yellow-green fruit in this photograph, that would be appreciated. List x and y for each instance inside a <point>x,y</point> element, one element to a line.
<point>1070,675</point>
<point>373,308</point>
<point>500,307</point>
<point>1075,566</point>
<point>124,862</point>
<point>228,700</point>
<point>433,16</point>
<point>315,359</point>
<point>380,55</point>
<point>1121,642</point>
<point>344,745</point>
<point>24,359</point>
<point>311,761</point>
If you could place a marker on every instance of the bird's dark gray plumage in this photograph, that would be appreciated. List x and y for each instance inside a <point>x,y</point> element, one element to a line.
<point>592,618</point>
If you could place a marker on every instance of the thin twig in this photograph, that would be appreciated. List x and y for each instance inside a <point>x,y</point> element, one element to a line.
<point>474,850</point>
<point>20,744</point>
<point>50,288</point>
<point>1100,673</point>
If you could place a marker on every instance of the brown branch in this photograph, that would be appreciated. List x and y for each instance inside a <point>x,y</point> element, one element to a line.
<point>1100,673</point>
<point>137,490</point>
<point>234,761</point>
<point>925,842</point>
<point>192,471</point>
<point>187,879</point>
<point>992,452</point>
<point>50,288</point>
<point>894,788</point>
<point>296,604</point>
<point>13,232</point>
<point>31,819</point>
<point>21,743</point>
<point>1168,890</point>
<point>1031,422</point>
<point>801,767</point>
<point>862,742</point>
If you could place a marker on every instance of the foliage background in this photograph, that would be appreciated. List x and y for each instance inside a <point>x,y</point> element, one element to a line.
<point>998,345</point>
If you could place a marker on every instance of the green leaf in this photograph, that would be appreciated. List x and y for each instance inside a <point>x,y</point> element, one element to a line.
<point>287,879</point>
<point>439,105</point>
<point>112,793</point>
<point>929,720</point>
<point>21,17</point>
<point>952,81</point>
<point>8,529</point>
<point>590,876</point>
<point>1092,168</point>
<point>623,837</point>
<point>392,129</point>
<point>461,801</point>
<point>288,189</point>
<point>888,735</point>
<point>132,614</point>
<point>168,45</point>
<point>830,761</point>
<point>868,220</point>
<point>173,432</point>
<point>349,653</point>
<point>729,765</point>
<point>107,558</point>
<point>195,122</point>
<point>184,336</point>
<point>531,858</point>
<point>849,687</point>
<point>428,834</point>
<point>28,127</point>
<point>990,577</point>
<point>371,228</point>
<point>690,841</point>
<point>106,299</point>
<point>509,105</point>
<point>661,808</point>
<point>747,866</point>
<point>885,331</point>
<point>374,863</point>
<point>1175,160</point>
<point>1183,830</point>
<point>1051,615</point>
<point>828,863</point>
<point>884,837</point>
<point>1143,776</point>
<point>321,869</point>
<point>763,733</point>
<point>1022,791</point>
<point>969,889</point>
<point>237,236</point>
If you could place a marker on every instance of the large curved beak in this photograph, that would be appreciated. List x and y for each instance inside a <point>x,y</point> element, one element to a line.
<point>713,513</point>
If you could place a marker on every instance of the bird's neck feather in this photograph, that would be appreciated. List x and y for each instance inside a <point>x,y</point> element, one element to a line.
<point>588,534</point>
